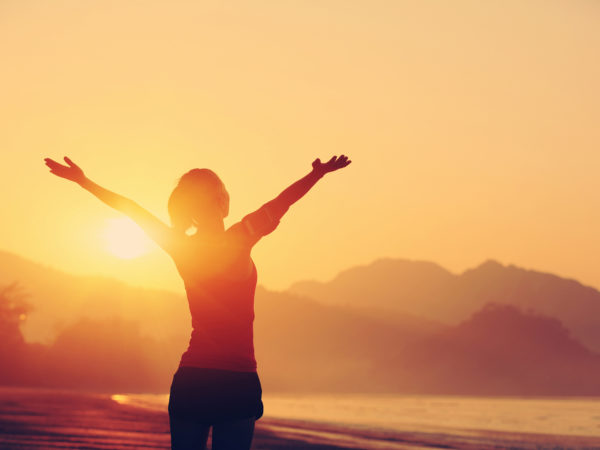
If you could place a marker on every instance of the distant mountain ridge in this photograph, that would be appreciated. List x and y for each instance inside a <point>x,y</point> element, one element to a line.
<point>427,290</point>
<point>363,341</point>
<point>60,298</point>
<point>293,334</point>
<point>499,350</point>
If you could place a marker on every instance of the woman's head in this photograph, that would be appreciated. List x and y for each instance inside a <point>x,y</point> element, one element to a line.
<point>200,198</point>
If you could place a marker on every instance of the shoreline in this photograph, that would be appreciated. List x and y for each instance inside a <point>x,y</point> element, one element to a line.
<point>46,418</point>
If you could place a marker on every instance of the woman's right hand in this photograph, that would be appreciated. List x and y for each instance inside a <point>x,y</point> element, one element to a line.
<point>71,172</point>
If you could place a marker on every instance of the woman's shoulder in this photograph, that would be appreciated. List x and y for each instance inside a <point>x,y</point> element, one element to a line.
<point>237,234</point>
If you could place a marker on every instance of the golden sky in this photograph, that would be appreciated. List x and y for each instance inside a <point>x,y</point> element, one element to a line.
<point>472,126</point>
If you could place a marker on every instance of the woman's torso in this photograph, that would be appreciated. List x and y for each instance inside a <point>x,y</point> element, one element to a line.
<point>220,281</point>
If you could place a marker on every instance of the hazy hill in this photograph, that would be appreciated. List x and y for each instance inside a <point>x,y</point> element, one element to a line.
<point>427,290</point>
<point>307,345</point>
<point>60,299</point>
<point>300,344</point>
<point>499,350</point>
<point>386,284</point>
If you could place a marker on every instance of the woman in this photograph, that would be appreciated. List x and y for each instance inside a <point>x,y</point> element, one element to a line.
<point>216,383</point>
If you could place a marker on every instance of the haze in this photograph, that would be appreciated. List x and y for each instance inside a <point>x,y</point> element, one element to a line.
<point>472,126</point>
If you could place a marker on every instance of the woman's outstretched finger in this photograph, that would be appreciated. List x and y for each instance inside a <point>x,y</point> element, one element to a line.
<point>69,162</point>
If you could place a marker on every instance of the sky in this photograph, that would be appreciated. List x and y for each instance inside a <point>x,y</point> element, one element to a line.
<point>472,127</point>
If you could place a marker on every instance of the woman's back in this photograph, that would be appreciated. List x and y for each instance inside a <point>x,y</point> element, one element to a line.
<point>220,282</point>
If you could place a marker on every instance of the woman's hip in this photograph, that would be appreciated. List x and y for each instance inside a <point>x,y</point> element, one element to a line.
<point>214,395</point>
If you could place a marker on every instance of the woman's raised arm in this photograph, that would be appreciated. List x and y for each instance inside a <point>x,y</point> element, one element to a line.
<point>161,233</point>
<point>267,217</point>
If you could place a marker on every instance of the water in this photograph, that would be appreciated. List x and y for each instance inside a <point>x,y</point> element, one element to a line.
<point>571,416</point>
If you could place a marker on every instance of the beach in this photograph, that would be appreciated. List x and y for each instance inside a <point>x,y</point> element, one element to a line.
<point>40,418</point>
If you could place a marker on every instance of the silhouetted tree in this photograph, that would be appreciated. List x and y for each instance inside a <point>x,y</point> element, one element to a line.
<point>13,311</point>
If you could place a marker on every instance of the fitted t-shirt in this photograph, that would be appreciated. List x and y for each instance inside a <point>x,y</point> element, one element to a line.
<point>220,295</point>
<point>222,324</point>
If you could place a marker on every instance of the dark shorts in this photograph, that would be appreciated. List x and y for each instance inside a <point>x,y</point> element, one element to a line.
<point>213,395</point>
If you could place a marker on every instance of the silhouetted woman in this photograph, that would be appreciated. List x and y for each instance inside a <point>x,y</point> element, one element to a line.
<point>216,383</point>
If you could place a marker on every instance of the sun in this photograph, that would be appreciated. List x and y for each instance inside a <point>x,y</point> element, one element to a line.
<point>125,239</point>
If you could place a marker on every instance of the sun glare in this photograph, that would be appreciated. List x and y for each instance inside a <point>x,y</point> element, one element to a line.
<point>125,239</point>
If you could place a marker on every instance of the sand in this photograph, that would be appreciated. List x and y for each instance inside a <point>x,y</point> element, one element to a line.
<point>48,419</point>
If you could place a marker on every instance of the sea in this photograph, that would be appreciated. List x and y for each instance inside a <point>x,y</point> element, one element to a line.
<point>455,415</point>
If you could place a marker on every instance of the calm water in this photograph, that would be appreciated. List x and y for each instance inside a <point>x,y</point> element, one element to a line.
<point>561,416</point>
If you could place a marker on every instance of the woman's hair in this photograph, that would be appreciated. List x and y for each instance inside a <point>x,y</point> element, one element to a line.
<point>198,192</point>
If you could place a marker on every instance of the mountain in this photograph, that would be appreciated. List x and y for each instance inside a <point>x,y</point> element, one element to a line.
<point>304,345</point>
<point>89,325</point>
<point>499,350</point>
<point>103,335</point>
<point>59,299</point>
<point>387,284</point>
<point>429,291</point>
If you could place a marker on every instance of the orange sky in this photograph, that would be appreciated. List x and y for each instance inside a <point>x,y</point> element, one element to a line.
<point>472,126</point>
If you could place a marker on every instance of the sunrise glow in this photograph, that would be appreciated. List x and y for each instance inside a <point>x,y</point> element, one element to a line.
<point>125,239</point>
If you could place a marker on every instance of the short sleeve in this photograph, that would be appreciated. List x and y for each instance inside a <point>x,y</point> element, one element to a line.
<point>260,223</point>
